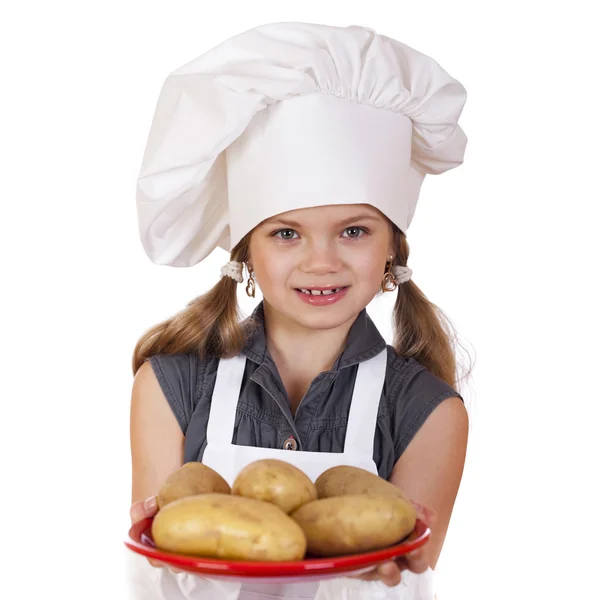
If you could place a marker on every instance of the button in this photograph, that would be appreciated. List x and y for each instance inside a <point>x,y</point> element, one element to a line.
<point>290,444</point>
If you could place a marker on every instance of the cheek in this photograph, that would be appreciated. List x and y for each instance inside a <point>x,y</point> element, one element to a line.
<point>369,269</point>
<point>274,271</point>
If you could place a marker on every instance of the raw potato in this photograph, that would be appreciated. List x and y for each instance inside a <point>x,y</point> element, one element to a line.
<point>344,479</point>
<point>190,479</point>
<point>275,481</point>
<point>228,527</point>
<point>354,523</point>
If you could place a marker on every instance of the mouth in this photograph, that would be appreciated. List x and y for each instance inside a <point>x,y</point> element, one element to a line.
<point>321,291</point>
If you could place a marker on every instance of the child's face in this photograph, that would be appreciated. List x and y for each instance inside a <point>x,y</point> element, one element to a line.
<point>333,245</point>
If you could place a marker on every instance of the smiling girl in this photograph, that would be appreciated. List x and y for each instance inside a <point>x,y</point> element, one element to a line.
<point>300,149</point>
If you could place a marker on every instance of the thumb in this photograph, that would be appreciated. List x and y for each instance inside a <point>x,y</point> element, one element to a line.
<point>143,509</point>
<point>425,514</point>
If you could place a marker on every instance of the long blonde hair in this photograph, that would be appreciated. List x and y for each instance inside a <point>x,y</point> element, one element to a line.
<point>211,324</point>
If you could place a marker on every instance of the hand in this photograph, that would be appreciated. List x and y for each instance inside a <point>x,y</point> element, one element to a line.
<point>390,572</point>
<point>143,510</point>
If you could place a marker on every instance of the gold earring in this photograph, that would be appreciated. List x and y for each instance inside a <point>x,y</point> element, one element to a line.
<point>388,284</point>
<point>250,287</point>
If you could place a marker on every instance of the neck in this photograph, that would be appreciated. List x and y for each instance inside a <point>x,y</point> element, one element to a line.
<point>301,351</point>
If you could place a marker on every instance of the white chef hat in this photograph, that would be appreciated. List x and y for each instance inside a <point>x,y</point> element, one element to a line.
<point>287,116</point>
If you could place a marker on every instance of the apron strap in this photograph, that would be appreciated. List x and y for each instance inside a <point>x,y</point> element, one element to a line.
<point>223,406</point>
<point>362,419</point>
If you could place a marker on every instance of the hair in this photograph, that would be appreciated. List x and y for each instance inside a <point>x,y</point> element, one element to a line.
<point>211,324</point>
<point>421,329</point>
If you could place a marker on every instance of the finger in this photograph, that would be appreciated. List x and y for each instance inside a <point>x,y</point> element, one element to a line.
<point>425,514</point>
<point>416,561</point>
<point>141,510</point>
<point>151,506</point>
<point>136,512</point>
<point>156,563</point>
<point>401,563</point>
<point>370,575</point>
<point>389,573</point>
<point>430,516</point>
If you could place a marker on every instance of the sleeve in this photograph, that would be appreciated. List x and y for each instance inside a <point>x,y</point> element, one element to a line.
<point>178,376</point>
<point>417,396</point>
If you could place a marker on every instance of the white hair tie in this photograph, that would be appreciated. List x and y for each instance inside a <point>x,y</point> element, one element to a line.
<point>401,274</point>
<point>233,269</point>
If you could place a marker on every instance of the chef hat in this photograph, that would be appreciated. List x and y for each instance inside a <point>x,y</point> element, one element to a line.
<point>288,116</point>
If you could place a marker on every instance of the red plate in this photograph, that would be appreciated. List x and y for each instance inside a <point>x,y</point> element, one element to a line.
<point>140,541</point>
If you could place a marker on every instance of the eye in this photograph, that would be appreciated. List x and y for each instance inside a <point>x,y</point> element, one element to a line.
<point>285,234</point>
<point>354,232</point>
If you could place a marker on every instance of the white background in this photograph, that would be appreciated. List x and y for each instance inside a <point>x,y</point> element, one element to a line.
<point>506,245</point>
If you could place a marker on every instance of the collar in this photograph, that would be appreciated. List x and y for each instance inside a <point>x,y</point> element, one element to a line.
<point>363,342</point>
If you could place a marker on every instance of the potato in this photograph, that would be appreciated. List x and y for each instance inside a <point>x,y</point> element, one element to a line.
<point>191,479</point>
<point>354,523</point>
<point>229,527</point>
<point>275,481</point>
<point>345,479</point>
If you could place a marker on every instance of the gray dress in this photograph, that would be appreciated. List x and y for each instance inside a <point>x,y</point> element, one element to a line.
<point>263,418</point>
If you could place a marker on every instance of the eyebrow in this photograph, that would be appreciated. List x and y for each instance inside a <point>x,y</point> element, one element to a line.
<point>339,223</point>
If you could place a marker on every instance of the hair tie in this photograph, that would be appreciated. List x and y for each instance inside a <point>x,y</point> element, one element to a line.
<point>233,269</point>
<point>401,274</point>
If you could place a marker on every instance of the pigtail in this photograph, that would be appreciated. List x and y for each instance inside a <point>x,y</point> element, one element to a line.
<point>421,329</point>
<point>210,325</point>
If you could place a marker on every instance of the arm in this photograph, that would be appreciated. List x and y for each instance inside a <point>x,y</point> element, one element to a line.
<point>156,437</point>
<point>430,469</point>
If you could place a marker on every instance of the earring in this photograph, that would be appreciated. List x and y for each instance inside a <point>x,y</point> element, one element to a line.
<point>251,286</point>
<point>388,284</point>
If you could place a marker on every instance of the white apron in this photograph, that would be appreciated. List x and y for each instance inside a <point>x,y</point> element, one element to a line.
<point>229,459</point>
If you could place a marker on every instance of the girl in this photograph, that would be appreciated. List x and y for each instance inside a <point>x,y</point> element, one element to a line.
<point>301,150</point>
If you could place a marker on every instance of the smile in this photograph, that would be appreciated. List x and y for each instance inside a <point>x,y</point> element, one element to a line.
<point>320,292</point>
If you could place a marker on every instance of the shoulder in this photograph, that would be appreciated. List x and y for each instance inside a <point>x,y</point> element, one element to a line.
<point>149,410</point>
<point>412,393</point>
<point>408,378</point>
<point>174,363</point>
<point>181,379</point>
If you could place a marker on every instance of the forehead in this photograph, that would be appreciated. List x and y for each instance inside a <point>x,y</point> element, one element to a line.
<point>330,213</point>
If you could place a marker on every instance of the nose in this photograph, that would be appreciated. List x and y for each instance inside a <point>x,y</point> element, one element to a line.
<point>321,258</point>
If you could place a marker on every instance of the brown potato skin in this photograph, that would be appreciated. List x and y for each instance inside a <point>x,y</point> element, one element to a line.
<point>228,527</point>
<point>349,524</point>
<point>189,480</point>
<point>276,481</point>
<point>345,479</point>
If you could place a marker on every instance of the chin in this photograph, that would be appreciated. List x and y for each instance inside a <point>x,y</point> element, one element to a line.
<point>330,319</point>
